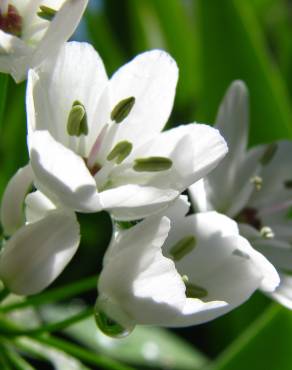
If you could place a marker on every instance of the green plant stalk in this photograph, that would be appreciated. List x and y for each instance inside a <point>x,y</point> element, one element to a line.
<point>64,292</point>
<point>81,353</point>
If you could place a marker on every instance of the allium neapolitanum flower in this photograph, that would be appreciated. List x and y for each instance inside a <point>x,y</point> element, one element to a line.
<point>37,246</point>
<point>178,270</point>
<point>96,144</point>
<point>31,30</point>
<point>254,187</point>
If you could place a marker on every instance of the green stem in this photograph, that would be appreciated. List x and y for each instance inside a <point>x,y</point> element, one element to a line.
<point>3,94</point>
<point>17,362</point>
<point>52,295</point>
<point>8,328</point>
<point>81,353</point>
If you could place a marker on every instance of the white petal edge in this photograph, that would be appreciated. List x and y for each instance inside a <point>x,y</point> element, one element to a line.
<point>12,215</point>
<point>62,175</point>
<point>38,252</point>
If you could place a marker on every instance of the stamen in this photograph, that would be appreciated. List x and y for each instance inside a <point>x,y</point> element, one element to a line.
<point>122,109</point>
<point>183,247</point>
<point>46,13</point>
<point>267,233</point>
<point>152,164</point>
<point>269,154</point>
<point>120,151</point>
<point>195,291</point>
<point>257,181</point>
<point>77,120</point>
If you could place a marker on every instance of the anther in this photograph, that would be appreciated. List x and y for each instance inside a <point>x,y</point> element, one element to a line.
<point>46,13</point>
<point>152,164</point>
<point>120,151</point>
<point>77,120</point>
<point>122,109</point>
<point>269,154</point>
<point>183,247</point>
<point>195,291</point>
<point>267,233</point>
<point>257,181</point>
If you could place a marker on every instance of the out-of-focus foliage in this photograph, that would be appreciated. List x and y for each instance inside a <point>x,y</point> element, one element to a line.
<point>213,42</point>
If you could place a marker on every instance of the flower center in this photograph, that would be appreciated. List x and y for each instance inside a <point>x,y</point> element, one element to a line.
<point>249,216</point>
<point>11,21</point>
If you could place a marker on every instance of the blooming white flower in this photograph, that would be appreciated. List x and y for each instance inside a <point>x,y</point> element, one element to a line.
<point>39,245</point>
<point>254,187</point>
<point>186,274</point>
<point>96,144</point>
<point>31,30</point>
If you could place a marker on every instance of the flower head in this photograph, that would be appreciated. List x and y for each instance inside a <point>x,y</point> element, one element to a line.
<point>95,143</point>
<point>32,30</point>
<point>37,247</point>
<point>252,186</point>
<point>178,271</point>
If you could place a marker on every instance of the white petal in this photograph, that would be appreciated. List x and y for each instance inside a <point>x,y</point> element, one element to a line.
<point>199,196</point>
<point>139,277</point>
<point>222,262</point>
<point>274,195</point>
<point>232,120</point>
<point>37,253</point>
<point>14,56</point>
<point>131,202</point>
<point>77,73</point>
<point>12,215</point>
<point>151,78</point>
<point>37,205</point>
<point>60,29</point>
<point>194,149</point>
<point>283,294</point>
<point>61,174</point>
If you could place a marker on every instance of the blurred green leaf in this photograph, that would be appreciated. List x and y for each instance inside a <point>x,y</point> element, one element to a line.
<point>171,27</point>
<point>146,346</point>
<point>266,344</point>
<point>3,95</point>
<point>232,46</point>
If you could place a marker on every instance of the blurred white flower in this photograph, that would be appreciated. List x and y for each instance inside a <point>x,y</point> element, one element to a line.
<point>252,186</point>
<point>96,144</point>
<point>186,274</point>
<point>38,245</point>
<point>32,30</point>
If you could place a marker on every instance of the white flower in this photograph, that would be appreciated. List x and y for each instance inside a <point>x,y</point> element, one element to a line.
<point>32,30</point>
<point>39,245</point>
<point>96,144</point>
<point>186,274</point>
<point>254,187</point>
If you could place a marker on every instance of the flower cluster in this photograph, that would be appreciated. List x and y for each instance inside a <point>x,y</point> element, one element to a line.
<point>96,143</point>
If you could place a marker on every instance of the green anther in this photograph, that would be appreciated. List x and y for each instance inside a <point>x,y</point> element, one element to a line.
<point>269,154</point>
<point>77,120</point>
<point>46,13</point>
<point>152,164</point>
<point>120,151</point>
<point>195,291</point>
<point>183,247</point>
<point>122,109</point>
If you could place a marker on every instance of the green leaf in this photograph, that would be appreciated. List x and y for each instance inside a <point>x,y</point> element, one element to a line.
<point>3,95</point>
<point>266,344</point>
<point>146,346</point>
<point>232,46</point>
